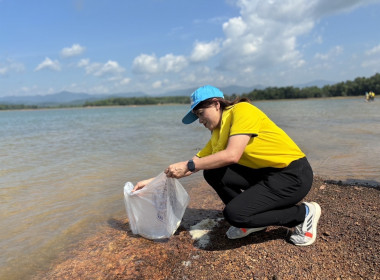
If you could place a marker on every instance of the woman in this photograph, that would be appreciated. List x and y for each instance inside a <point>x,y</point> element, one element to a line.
<point>254,166</point>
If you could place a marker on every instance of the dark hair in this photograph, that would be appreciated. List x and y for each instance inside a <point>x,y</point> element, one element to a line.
<point>224,103</point>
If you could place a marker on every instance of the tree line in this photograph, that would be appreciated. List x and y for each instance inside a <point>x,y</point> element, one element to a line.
<point>17,107</point>
<point>125,101</point>
<point>357,87</point>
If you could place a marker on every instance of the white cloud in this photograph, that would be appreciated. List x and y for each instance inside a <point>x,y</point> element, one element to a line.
<point>372,59</point>
<point>3,70</point>
<point>74,50</point>
<point>234,27</point>
<point>319,40</point>
<point>83,62</point>
<point>49,64</point>
<point>331,54</point>
<point>149,64</point>
<point>157,84</point>
<point>110,68</point>
<point>25,89</point>
<point>371,63</point>
<point>266,43</point>
<point>99,89</point>
<point>264,38</point>
<point>90,68</point>
<point>93,68</point>
<point>160,83</point>
<point>125,81</point>
<point>375,50</point>
<point>145,63</point>
<point>172,63</point>
<point>265,34</point>
<point>204,51</point>
<point>11,66</point>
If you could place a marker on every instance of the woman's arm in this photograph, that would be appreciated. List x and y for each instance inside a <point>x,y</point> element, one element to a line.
<point>232,154</point>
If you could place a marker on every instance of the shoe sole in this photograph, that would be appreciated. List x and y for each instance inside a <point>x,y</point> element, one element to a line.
<point>248,233</point>
<point>318,212</point>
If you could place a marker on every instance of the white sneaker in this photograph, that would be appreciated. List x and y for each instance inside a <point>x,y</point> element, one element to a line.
<point>306,233</point>
<point>234,232</point>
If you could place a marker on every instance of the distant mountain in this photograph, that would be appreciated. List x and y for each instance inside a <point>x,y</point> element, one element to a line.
<point>126,94</point>
<point>70,98</point>
<point>226,90</point>
<point>62,98</point>
<point>180,92</point>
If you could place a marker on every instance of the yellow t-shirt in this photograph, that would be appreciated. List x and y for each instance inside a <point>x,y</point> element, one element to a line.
<point>269,145</point>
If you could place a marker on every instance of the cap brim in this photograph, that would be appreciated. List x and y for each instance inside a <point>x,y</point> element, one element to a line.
<point>189,118</point>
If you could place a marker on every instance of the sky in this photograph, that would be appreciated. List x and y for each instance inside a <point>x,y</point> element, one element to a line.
<point>157,46</point>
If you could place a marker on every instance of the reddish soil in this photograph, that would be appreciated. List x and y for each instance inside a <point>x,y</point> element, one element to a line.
<point>347,247</point>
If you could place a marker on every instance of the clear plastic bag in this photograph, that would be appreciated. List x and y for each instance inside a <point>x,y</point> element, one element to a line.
<point>156,210</point>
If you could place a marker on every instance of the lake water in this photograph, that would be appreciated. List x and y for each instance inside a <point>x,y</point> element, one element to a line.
<point>62,171</point>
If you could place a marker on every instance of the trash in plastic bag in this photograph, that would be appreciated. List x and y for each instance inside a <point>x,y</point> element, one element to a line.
<point>156,210</point>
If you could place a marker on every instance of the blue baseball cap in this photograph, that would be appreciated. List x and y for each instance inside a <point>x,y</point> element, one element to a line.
<point>201,94</point>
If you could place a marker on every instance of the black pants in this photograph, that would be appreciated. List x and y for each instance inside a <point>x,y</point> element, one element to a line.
<point>262,197</point>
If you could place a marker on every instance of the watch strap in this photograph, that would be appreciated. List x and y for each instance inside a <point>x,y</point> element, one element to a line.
<point>191,165</point>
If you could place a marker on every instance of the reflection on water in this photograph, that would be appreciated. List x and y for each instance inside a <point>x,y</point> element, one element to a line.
<point>62,171</point>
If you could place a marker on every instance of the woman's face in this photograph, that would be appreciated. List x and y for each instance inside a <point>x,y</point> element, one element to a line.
<point>210,117</point>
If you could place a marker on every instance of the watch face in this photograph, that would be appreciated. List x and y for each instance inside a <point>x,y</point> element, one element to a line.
<point>191,165</point>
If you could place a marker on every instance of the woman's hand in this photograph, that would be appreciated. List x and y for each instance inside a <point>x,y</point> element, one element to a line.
<point>142,184</point>
<point>177,170</point>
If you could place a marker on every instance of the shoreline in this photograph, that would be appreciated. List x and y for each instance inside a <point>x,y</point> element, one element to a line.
<point>355,182</point>
<point>347,246</point>
<point>169,104</point>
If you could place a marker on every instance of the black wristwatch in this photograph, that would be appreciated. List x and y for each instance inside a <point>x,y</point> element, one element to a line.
<point>191,165</point>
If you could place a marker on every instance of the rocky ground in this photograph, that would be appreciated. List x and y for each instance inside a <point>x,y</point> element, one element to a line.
<point>347,247</point>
